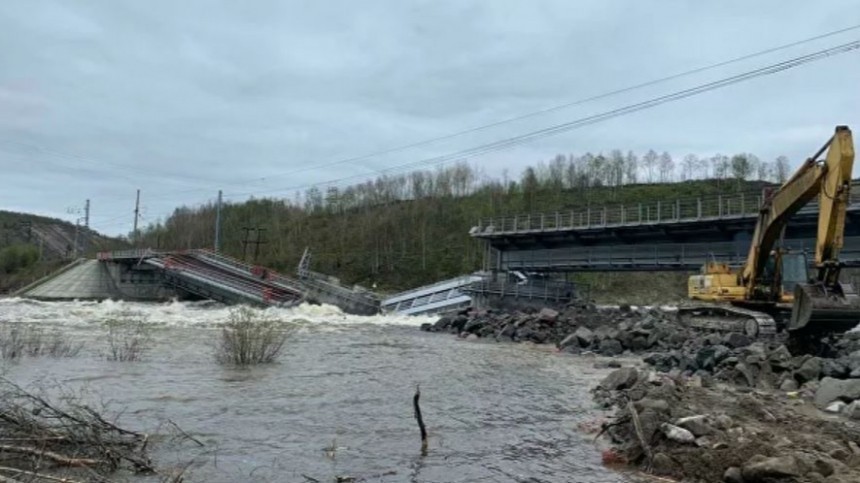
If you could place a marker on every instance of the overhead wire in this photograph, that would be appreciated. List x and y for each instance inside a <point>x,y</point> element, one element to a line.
<point>584,121</point>
<point>475,128</point>
<point>588,120</point>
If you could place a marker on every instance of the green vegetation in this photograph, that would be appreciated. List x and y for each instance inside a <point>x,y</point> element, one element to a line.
<point>402,231</point>
<point>17,257</point>
<point>128,338</point>
<point>249,338</point>
<point>19,340</point>
<point>33,246</point>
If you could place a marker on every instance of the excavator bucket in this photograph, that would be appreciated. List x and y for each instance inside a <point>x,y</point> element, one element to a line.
<point>821,309</point>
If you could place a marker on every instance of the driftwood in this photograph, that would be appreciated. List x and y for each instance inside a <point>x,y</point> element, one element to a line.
<point>55,457</point>
<point>41,441</point>
<point>38,476</point>
<point>420,419</point>
<point>637,427</point>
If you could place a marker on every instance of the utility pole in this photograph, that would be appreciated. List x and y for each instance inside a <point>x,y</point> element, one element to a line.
<point>259,241</point>
<point>218,224</point>
<point>245,241</point>
<point>136,216</point>
<point>86,226</point>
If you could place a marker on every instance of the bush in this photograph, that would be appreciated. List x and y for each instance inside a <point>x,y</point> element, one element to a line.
<point>17,257</point>
<point>128,338</point>
<point>17,340</point>
<point>247,338</point>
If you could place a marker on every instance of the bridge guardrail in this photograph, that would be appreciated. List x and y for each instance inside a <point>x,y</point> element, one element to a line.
<point>728,206</point>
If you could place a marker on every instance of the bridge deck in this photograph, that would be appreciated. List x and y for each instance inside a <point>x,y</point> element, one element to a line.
<point>655,257</point>
<point>702,210</point>
<point>440,297</point>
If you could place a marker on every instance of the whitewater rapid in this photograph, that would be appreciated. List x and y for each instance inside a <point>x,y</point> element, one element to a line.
<point>183,314</point>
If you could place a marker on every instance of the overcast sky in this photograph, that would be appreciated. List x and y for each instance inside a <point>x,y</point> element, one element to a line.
<point>181,98</point>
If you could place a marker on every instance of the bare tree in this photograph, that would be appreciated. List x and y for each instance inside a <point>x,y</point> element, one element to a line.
<point>667,167</point>
<point>650,163</point>
<point>631,168</point>
<point>781,169</point>
<point>741,168</point>
<point>688,166</point>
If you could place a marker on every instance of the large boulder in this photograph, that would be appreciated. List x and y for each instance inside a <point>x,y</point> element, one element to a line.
<point>761,469</point>
<point>623,378</point>
<point>442,324</point>
<point>569,341</point>
<point>852,410</point>
<point>458,323</point>
<point>610,347</point>
<point>677,434</point>
<point>474,325</point>
<point>548,315</point>
<point>708,357</point>
<point>736,340</point>
<point>698,425</point>
<point>831,390</point>
<point>834,368</point>
<point>584,336</point>
<point>780,358</point>
<point>810,370</point>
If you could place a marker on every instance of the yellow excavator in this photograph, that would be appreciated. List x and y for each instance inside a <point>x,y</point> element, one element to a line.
<point>774,291</point>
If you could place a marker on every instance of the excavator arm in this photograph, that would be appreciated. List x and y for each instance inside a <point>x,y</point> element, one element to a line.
<point>823,304</point>
<point>830,180</point>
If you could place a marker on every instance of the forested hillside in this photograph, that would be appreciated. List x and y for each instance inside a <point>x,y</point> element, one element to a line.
<point>401,231</point>
<point>32,246</point>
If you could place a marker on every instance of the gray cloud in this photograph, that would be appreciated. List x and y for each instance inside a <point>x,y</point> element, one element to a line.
<point>180,99</point>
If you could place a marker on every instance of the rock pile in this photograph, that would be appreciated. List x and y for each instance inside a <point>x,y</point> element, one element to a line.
<point>607,331</point>
<point>674,427</point>
<point>672,348</point>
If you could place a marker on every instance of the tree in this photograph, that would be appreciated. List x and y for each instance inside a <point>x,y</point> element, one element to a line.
<point>688,166</point>
<point>616,167</point>
<point>720,165</point>
<point>781,168</point>
<point>667,167</point>
<point>763,170</point>
<point>740,165</point>
<point>702,168</point>
<point>650,163</point>
<point>530,185</point>
<point>631,168</point>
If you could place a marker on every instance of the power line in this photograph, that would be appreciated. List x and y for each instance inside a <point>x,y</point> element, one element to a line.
<point>588,120</point>
<point>561,106</point>
<point>585,121</point>
<point>463,132</point>
<point>593,119</point>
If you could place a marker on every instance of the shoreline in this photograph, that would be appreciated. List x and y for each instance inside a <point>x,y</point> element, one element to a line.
<point>690,406</point>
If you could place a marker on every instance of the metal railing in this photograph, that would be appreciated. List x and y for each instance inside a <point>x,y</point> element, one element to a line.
<point>248,269</point>
<point>716,207</point>
<point>667,256</point>
<point>541,290</point>
<point>134,254</point>
<point>202,276</point>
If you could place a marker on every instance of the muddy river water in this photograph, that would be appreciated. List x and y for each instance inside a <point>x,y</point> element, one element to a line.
<point>338,403</point>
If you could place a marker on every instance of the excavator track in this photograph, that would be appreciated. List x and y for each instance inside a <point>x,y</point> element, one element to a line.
<point>728,318</point>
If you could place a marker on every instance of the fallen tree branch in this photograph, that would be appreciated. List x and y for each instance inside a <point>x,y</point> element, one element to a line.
<point>637,426</point>
<point>419,418</point>
<point>55,457</point>
<point>40,476</point>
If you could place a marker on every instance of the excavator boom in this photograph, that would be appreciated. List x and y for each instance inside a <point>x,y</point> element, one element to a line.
<point>824,304</point>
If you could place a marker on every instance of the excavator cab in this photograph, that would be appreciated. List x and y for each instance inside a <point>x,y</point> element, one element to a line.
<point>795,270</point>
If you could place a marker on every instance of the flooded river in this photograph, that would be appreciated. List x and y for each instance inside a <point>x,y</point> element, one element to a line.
<point>339,402</point>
